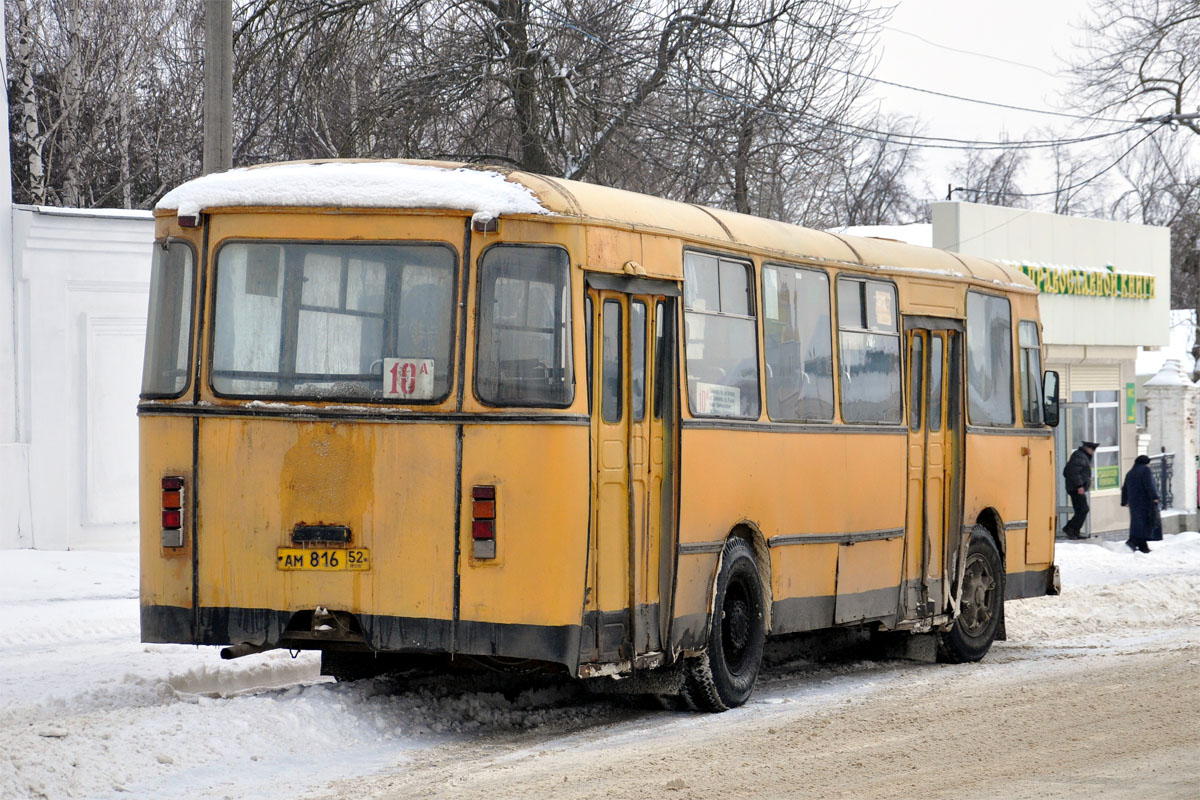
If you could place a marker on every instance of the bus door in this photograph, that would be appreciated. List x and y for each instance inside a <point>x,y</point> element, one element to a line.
<point>634,424</point>
<point>934,452</point>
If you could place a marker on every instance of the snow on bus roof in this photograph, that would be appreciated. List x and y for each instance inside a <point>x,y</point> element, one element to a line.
<point>354,184</point>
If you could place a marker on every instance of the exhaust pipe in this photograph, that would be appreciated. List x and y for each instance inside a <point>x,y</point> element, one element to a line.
<point>245,649</point>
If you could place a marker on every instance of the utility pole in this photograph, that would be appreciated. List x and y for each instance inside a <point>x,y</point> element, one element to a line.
<point>1191,120</point>
<point>218,86</point>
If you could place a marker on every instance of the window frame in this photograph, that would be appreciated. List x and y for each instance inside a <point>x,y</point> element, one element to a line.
<point>751,302</point>
<point>452,355</point>
<point>190,363</point>
<point>832,341</point>
<point>568,282</point>
<point>901,421</point>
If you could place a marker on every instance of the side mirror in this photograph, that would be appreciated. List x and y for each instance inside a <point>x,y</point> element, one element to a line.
<point>1050,398</point>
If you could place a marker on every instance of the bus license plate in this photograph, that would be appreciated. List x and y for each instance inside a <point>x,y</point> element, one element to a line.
<point>322,559</point>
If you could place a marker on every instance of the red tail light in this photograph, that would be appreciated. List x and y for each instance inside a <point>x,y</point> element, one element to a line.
<point>172,511</point>
<point>483,521</point>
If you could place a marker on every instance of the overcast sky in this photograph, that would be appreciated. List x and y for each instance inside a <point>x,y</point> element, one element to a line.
<point>1012,52</point>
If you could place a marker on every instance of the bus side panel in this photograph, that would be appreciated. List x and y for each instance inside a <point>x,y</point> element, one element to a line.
<point>391,484</point>
<point>165,446</point>
<point>1011,492</point>
<point>527,602</point>
<point>788,484</point>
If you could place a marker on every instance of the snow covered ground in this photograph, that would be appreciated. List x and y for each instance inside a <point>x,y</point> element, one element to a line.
<point>86,711</point>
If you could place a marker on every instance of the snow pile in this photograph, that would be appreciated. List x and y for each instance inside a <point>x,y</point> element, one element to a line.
<point>87,711</point>
<point>355,184</point>
<point>1111,591</point>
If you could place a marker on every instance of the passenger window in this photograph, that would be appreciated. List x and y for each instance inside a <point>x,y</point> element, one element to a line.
<point>610,381</point>
<point>1031,372</point>
<point>637,357</point>
<point>933,408</point>
<point>722,347</point>
<point>869,348</point>
<point>798,344</point>
<point>916,372</point>
<point>989,360</point>
<point>523,351</point>
<point>664,356</point>
<point>587,335</point>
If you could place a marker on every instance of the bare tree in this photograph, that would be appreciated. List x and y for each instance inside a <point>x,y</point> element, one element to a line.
<point>1143,61</point>
<point>991,179</point>
<point>1142,58</point>
<point>749,104</point>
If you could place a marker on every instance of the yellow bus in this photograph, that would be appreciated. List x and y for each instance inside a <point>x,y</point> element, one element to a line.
<point>415,411</point>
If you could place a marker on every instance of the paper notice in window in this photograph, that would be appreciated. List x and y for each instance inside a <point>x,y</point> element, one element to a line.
<point>771,293</point>
<point>718,400</point>
<point>408,378</point>
<point>883,309</point>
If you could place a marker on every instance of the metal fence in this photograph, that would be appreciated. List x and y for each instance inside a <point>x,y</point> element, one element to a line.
<point>1163,468</point>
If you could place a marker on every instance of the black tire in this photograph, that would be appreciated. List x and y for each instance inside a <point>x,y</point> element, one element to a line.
<point>982,608</point>
<point>723,676</point>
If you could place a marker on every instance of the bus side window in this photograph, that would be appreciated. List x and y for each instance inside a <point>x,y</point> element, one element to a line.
<point>989,360</point>
<point>869,346</point>
<point>587,335</point>
<point>637,356</point>
<point>1031,372</point>
<point>610,381</point>
<point>798,344</point>
<point>722,343</point>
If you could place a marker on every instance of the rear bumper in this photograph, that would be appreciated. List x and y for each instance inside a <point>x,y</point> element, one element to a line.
<point>267,627</point>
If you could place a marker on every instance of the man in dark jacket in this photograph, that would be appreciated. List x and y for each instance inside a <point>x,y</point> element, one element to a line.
<point>1141,495</point>
<point>1078,475</point>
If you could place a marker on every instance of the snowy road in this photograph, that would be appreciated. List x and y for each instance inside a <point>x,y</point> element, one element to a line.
<point>1093,695</point>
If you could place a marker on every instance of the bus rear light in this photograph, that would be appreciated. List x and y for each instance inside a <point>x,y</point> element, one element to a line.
<point>483,521</point>
<point>189,220</point>
<point>172,511</point>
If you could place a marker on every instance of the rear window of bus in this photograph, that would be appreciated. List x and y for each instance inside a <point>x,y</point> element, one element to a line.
<point>320,320</point>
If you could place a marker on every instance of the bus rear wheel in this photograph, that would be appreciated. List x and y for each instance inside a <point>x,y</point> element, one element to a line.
<point>723,676</point>
<point>974,630</point>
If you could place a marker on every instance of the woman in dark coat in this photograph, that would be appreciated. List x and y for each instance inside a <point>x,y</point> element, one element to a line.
<point>1141,495</point>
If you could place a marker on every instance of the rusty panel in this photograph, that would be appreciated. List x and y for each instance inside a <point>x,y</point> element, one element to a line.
<point>391,484</point>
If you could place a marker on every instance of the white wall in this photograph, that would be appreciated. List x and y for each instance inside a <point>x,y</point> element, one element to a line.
<point>14,454</point>
<point>80,296</point>
<point>1015,234</point>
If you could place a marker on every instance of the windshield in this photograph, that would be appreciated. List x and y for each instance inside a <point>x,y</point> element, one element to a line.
<point>334,321</point>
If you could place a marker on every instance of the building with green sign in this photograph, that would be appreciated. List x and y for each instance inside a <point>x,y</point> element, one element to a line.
<point>1104,291</point>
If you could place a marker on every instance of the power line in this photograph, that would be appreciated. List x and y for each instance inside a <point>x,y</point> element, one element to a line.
<point>941,46</point>
<point>946,143</point>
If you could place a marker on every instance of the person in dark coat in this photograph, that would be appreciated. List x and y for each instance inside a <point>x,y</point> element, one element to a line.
<point>1078,475</point>
<point>1141,495</point>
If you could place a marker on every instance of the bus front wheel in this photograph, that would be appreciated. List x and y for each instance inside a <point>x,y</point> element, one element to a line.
<point>974,630</point>
<point>723,676</point>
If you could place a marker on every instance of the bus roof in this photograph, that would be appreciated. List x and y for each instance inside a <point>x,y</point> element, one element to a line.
<point>497,191</point>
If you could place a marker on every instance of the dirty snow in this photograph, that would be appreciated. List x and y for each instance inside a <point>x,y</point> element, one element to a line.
<point>86,711</point>
<point>354,184</point>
